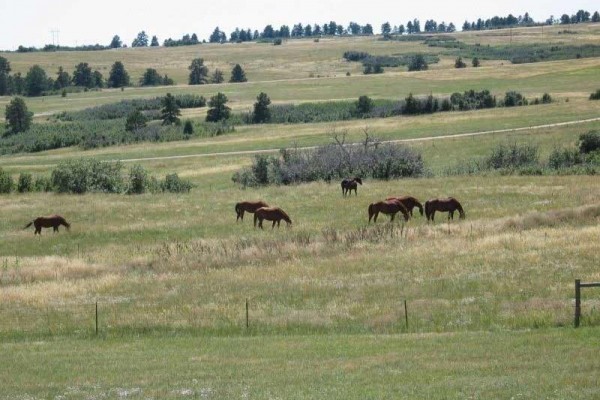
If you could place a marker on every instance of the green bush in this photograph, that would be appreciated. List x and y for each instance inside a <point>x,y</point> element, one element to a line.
<point>174,184</point>
<point>85,175</point>
<point>565,158</point>
<point>138,180</point>
<point>589,142</point>
<point>595,96</point>
<point>514,99</point>
<point>6,182</point>
<point>43,184</point>
<point>25,183</point>
<point>512,156</point>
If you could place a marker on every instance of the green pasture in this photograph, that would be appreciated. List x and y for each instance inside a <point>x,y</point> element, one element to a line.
<point>529,365</point>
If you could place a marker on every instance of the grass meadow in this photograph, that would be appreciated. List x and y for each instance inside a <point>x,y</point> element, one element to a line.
<point>489,298</point>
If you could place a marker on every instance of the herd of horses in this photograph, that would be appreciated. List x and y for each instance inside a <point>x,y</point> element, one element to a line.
<point>262,211</point>
<point>390,206</point>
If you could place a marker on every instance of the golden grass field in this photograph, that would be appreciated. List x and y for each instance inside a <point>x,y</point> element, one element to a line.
<point>490,298</point>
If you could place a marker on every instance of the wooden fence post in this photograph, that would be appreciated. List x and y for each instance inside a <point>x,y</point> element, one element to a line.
<point>247,316</point>
<point>577,302</point>
<point>96,318</point>
<point>406,314</point>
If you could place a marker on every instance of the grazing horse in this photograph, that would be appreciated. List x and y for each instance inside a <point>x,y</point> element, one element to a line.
<point>274,214</point>
<point>249,206</point>
<point>409,202</point>
<point>52,221</point>
<point>448,205</point>
<point>389,207</point>
<point>348,185</point>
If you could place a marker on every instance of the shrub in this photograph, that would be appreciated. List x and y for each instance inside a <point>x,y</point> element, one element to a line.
<point>87,175</point>
<point>43,184</point>
<point>476,63</point>
<point>364,105</point>
<point>514,99</point>
<point>135,120</point>
<point>188,128</point>
<point>546,99</point>
<point>589,142</point>
<point>277,42</point>
<point>565,158</point>
<point>25,183</point>
<point>472,100</point>
<point>595,96</point>
<point>459,63</point>
<point>174,184</point>
<point>512,156</point>
<point>138,180</point>
<point>334,161</point>
<point>417,63</point>
<point>6,182</point>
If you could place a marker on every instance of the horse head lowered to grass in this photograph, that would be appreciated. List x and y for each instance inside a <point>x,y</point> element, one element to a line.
<point>348,185</point>
<point>51,221</point>
<point>388,207</point>
<point>274,214</point>
<point>449,205</point>
<point>409,202</point>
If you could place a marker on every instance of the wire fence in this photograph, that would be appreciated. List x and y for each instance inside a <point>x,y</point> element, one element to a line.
<point>267,317</point>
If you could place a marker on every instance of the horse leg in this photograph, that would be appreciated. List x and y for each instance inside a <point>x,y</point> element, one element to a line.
<point>55,228</point>
<point>375,216</point>
<point>393,216</point>
<point>273,226</point>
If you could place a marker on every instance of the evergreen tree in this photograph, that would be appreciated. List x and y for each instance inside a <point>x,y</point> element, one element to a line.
<point>261,112</point>
<point>97,79</point>
<point>364,105</point>
<point>118,76</point>
<point>386,29</point>
<point>141,40</point>
<point>151,78</point>
<point>476,63</point>
<point>238,74</point>
<point>135,120</point>
<point>18,119</point>
<point>596,17</point>
<point>188,128</point>
<point>198,72</point>
<point>115,42</point>
<point>218,110</point>
<point>82,76</point>
<point>36,81</point>
<point>154,42</point>
<point>62,79</point>
<point>459,63</point>
<point>5,87</point>
<point>417,63</point>
<point>170,112</point>
<point>217,76</point>
<point>217,36</point>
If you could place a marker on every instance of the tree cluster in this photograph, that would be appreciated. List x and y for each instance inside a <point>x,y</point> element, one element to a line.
<point>199,74</point>
<point>186,40</point>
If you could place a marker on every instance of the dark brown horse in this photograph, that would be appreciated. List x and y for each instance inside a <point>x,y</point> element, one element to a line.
<point>274,214</point>
<point>409,202</point>
<point>52,221</point>
<point>389,207</point>
<point>248,206</point>
<point>348,185</point>
<point>449,205</point>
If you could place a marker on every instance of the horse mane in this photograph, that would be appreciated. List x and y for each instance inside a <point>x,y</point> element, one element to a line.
<point>459,208</point>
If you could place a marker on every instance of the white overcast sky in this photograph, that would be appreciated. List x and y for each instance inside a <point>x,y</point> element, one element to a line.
<point>30,22</point>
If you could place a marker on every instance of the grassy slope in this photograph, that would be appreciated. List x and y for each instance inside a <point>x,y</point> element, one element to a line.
<point>167,262</point>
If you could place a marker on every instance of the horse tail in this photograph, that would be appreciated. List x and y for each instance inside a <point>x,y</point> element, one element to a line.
<point>371,211</point>
<point>28,225</point>
<point>420,207</point>
<point>237,207</point>
<point>427,209</point>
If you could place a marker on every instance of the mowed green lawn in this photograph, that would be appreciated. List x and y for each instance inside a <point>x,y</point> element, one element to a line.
<point>553,363</point>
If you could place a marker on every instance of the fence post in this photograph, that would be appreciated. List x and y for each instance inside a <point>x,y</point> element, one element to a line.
<point>577,302</point>
<point>96,318</point>
<point>406,314</point>
<point>247,316</point>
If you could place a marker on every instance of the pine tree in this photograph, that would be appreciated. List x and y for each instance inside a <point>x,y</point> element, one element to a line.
<point>198,72</point>
<point>18,119</point>
<point>261,112</point>
<point>170,112</point>
<point>218,110</point>
<point>238,74</point>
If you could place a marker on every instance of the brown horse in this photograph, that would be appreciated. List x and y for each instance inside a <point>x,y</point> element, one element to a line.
<point>274,214</point>
<point>449,205</point>
<point>348,185</point>
<point>52,221</point>
<point>409,202</point>
<point>389,207</point>
<point>248,206</point>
